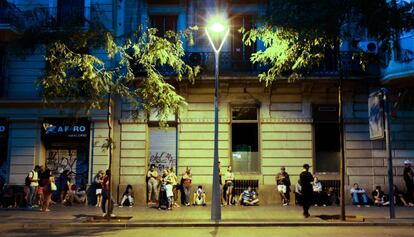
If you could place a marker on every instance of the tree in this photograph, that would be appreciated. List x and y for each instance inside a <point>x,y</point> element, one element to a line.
<point>76,78</point>
<point>299,34</point>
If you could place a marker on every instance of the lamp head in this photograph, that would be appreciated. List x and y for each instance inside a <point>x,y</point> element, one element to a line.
<point>217,30</point>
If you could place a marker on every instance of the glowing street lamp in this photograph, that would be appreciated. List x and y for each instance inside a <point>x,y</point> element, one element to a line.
<point>217,31</point>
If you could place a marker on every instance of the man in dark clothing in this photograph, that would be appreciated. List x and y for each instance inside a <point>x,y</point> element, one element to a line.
<point>408,175</point>
<point>305,179</point>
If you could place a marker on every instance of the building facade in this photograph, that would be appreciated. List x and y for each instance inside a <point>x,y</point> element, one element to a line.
<point>260,128</point>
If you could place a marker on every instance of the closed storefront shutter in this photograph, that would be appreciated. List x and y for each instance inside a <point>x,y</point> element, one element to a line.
<point>163,148</point>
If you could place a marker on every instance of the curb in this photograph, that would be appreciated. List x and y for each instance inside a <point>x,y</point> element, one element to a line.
<point>204,224</point>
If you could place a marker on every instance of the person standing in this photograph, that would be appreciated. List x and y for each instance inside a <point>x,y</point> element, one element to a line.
<point>105,194</point>
<point>283,185</point>
<point>152,184</point>
<point>33,183</point>
<point>229,179</point>
<point>174,181</point>
<point>46,189</point>
<point>63,184</point>
<point>222,199</point>
<point>186,181</point>
<point>306,179</point>
<point>408,176</point>
<point>98,187</point>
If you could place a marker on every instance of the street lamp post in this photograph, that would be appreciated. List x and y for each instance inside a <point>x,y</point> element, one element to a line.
<point>217,31</point>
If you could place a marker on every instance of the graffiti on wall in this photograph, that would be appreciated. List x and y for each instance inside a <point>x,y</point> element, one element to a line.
<point>162,160</point>
<point>76,161</point>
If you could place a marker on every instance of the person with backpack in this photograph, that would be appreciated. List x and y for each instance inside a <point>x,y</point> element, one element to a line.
<point>32,181</point>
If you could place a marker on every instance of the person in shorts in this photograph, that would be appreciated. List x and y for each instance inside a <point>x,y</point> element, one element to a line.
<point>283,185</point>
<point>229,181</point>
<point>98,187</point>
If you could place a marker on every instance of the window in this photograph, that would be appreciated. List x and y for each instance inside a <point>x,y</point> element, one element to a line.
<point>70,13</point>
<point>245,139</point>
<point>327,146</point>
<point>164,23</point>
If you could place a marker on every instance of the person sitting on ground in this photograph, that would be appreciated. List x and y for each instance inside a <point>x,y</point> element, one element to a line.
<point>379,197</point>
<point>199,198</point>
<point>399,198</point>
<point>283,185</point>
<point>319,196</point>
<point>248,197</point>
<point>359,196</point>
<point>331,197</point>
<point>127,197</point>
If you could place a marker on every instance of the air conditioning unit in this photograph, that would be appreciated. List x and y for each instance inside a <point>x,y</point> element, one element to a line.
<point>368,46</point>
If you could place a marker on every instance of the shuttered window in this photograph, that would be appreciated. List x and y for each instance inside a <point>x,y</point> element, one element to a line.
<point>163,148</point>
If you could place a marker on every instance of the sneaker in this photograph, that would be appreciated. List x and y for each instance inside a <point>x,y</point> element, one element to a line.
<point>366,206</point>
<point>104,214</point>
<point>131,205</point>
<point>120,206</point>
<point>112,215</point>
<point>358,205</point>
<point>324,205</point>
<point>411,204</point>
<point>284,204</point>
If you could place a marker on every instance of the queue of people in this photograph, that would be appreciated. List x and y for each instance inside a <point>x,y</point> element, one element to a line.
<point>163,190</point>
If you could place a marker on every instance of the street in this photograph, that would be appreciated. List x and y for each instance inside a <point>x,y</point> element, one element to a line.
<point>213,232</point>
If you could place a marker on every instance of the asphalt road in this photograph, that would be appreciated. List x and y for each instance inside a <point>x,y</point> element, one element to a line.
<point>353,231</point>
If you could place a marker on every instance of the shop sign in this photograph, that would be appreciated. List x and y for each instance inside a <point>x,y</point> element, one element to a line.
<point>62,129</point>
<point>375,117</point>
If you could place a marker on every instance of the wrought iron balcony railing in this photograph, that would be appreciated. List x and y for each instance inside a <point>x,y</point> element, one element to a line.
<point>11,15</point>
<point>62,17</point>
<point>230,65</point>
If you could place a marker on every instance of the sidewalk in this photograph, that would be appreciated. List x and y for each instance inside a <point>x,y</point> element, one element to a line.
<point>62,216</point>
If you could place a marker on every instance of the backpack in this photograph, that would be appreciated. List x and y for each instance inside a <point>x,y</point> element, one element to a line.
<point>27,180</point>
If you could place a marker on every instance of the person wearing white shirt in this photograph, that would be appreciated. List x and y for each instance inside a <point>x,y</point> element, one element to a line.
<point>34,184</point>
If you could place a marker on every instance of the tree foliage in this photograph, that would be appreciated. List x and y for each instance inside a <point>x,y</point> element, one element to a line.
<point>86,80</point>
<point>298,34</point>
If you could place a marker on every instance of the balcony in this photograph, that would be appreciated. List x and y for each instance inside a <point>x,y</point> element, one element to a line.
<point>59,18</point>
<point>11,22</point>
<point>232,66</point>
<point>402,64</point>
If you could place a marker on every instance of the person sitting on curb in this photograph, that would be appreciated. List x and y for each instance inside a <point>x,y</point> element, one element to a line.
<point>399,198</point>
<point>359,196</point>
<point>248,197</point>
<point>379,197</point>
<point>199,197</point>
